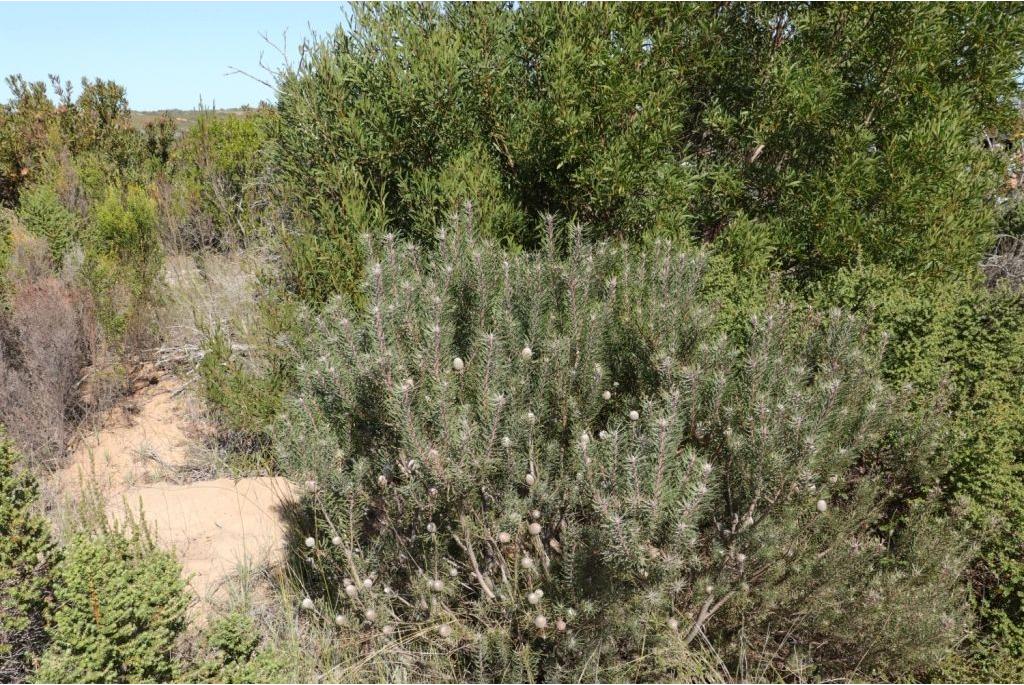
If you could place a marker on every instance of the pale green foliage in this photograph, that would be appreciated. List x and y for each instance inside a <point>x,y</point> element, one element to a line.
<point>431,431</point>
<point>27,555</point>
<point>120,607</point>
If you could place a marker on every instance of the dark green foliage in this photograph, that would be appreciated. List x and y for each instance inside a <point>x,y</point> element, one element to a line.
<point>120,607</point>
<point>43,214</point>
<point>767,495</point>
<point>160,135</point>
<point>809,134</point>
<point>27,556</point>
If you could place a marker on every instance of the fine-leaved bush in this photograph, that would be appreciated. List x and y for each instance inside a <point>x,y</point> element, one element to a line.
<point>43,214</point>
<point>555,468</point>
<point>965,341</point>
<point>27,556</point>
<point>123,261</point>
<point>230,652</point>
<point>120,607</point>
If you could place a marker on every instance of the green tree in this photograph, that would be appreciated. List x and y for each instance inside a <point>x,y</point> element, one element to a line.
<point>817,133</point>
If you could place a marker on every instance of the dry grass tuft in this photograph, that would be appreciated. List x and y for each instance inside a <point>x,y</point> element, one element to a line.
<point>208,292</point>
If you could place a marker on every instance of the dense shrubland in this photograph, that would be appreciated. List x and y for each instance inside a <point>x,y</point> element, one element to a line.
<point>810,137</point>
<point>758,227</point>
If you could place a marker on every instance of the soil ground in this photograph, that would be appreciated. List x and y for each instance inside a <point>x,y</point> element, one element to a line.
<point>142,457</point>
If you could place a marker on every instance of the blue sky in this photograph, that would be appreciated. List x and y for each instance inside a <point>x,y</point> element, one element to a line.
<point>166,54</point>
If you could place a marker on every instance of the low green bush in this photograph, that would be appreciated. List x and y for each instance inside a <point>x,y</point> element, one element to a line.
<point>244,400</point>
<point>27,557</point>
<point>245,386</point>
<point>120,608</point>
<point>232,653</point>
<point>556,469</point>
<point>94,173</point>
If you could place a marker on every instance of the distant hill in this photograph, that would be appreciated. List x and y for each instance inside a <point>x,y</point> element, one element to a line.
<point>185,118</point>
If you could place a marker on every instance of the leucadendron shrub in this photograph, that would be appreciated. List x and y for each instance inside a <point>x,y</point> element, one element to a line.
<point>550,468</point>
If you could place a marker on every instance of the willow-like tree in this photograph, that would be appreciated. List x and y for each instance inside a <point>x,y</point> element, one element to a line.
<point>804,136</point>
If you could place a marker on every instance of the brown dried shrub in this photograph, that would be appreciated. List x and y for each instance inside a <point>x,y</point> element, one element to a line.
<point>47,336</point>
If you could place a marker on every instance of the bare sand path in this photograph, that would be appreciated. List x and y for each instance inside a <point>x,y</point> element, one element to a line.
<point>214,526</point>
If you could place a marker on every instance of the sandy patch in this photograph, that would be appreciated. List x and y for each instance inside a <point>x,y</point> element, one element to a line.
<point>138,439</point>
<point>213,526</point>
